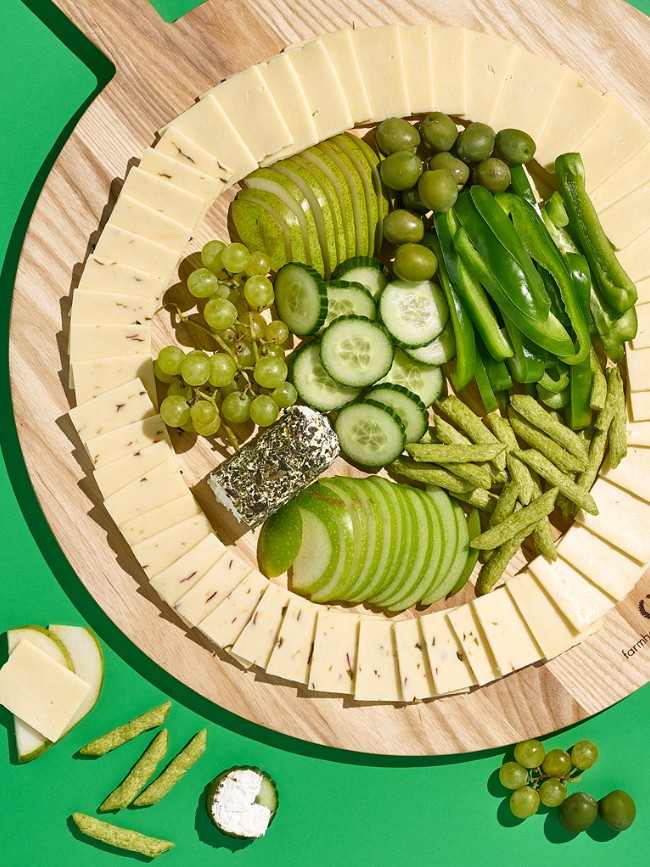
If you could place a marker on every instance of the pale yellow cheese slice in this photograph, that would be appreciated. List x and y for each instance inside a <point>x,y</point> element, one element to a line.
<point>379,55</point>
<point>183,175</point>
<point>106,307</point>
<point>340,47</point>
<point>624,221</point>
<point>510,639</point>
<point>111,477</point>
<point>638,433</point>
<point>638,368</point>
<point>581,602</point>
<point>88,342</point>
<point>291,656</point>
<point>160,518</point>
<point>40,691</point>
<point>159,552</point>
<point>642,339</point>
<point>474,643</point>
<point>256,642</point>
<point>334,658</point>
<point>632,474</point>
<point>140,219</point>
<point>624,520</point>
<point>225,624</point>
<point>154,488</point>
<point>184,573</point>
<point>416,680</point>
<point>163,196</point>
<point>418,67</point>
<point>128,440</point>
<point>98,375</point>
<point>113,409</point>
<point>109,275</point>
<point>175,144</point>
<point>133,249</point>
<point>640,405</point>
<point>220,580</point>
<point>450,669</point>
<point>449,65</point>
<point>606,567</point>
<point>624,182</point>
<point>377,675</point>
<point>487,64</point>
<point>634,258</point>
<point>643,288</point>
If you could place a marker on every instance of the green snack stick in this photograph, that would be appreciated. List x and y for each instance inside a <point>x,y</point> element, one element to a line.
<point>447,454</point>
<point>528,407</point>
<point>492,571</point>
<point>430,475</point>
<point>120,838</point>
<point>140,774</point>
<point>472,425</point>
<point>542,533</point>
<point>478,476</point>
<point>503,431</point>
<point>505,504</point>
<point>598,382</point>
<point>524,519</point>
<point>597,448</point>
<point>615,389</point>
<point>120,735</point>
<point>558,479</point>
<point>617,432</point>
<point>521,475</point>
<point>448,434</point>
<point>479,498</point>
<point>174,772</point>
<point>562,459</point>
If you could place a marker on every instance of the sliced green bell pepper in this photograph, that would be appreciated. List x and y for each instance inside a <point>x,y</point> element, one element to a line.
<point>484,386</point>
<point>497,371</point>
<point>527,364</point>
<point>578,410</point>
<point>613,332</point>
<point>520,185</point>
<point>553,399</point>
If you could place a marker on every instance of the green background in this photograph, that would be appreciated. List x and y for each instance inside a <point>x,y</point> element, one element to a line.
<point>336,807</point>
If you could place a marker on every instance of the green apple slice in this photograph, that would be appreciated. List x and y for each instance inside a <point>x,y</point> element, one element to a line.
<point>377,548</point>
<point>393,532</point>
<point>473,529</point>
<point>432,566</point>
<point>418,538</point>
<point>280,541</point>
<point>320,549</point>
<point>333,588</point>
<point>259,228</point>
<point>320,160</point>
<point>347,493</point>
<point>278,211</point>
<point>461,554</point>
<point>347,143</point>
<point>88,659</point>
<point>319,177</point>
<point>404,564</point>
<point>350,176</point>
<point>423,542</point>
<point>450,533</point>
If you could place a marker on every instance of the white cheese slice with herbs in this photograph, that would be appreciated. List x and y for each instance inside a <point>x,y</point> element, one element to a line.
<point>635,260</point>
<point>418,67</point>
<point>133,249</point>
<point>114,409</point>
<point>334,658</point>
<point>112,477</point>
<point>450,669</point>
<point>89,307</point>
<point>154,488</point>
<point>88,342</point>
<point>129,440</point>
<point>175,144</point>
<point>379,55</point>
<point>448,57</point>
<point>159,519</point>
<point>183,174</point>
<point>158,552</point>
<point>581,602</point>
<point>225,624</point>
<point>40,691</point>
<point>256,642</point>
<point>98,375</point>
<point>340,47</point>
<point>220,580</point>
<point>474,644</point>
<point>642,339</point>
<point>291,655</point>
<point>623,520</point>
<point>640,405</point>
<point>487,64</point>
<point>511,641</point>
<point>416,680</point>
<point>624,221</point>
<point>638,369</point>
<point>166,198</point>
<point>184,573</point>
<point>632,474</point>
<point>638,433</point>
<point>377,675</point>
<point>134,216</point>
<point>115,278</point>
<point>606,567</point>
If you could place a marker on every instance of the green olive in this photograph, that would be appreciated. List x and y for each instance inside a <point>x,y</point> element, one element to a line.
<point>403,227</point>
<point>617,810</point>
<point>396,134</point>
<point>458,168</point>
<point>438,131</point>
<point>401,170</point>
<point>493,174</point>
<point>414,262</point>
<point>411,201</point>
<point>578,812</point>
<point>515,146</point>
<point>475,143</point>
<point>438,190</point>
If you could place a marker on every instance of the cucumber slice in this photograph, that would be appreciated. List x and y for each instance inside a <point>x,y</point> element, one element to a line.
<point>408,406</point>
<point>443,504</point>
<point>300,298</point>
<point>375,521</point>
<point>356,351</point>
<point>353,507</point>
<point>385,504</point>
<point>439,351</point>
<point>423,380</point>
<point>365,270</point>
<point>414,313</point>
<point>455,569</point>
<point>225,801</point>
<point>370,433</point>
<point>314,384</point>
<point>348,299</point>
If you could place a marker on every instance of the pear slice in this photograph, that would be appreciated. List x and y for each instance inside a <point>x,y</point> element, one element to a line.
<point>348,144</point>
<point>320,160</point>
<point>259,228</point>
<point>88,659</point>
<point>277,210</point>
<point>348,174</point>
<point>317,176</point>
<point>381,193</point>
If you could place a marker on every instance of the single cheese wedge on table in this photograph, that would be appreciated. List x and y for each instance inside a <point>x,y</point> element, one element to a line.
<point>632,474</point>
<point>487,64</point>
<point>133,249</point>
<point>638,433</point>
<point>334,658</point>
<point>166,198</point>
<point>418,67</point>
<point>97,375</point>
<point>184,573</point>
<point>41,692</point>
<point>291,655</point>
<point>511,642</point>
<point>416,680</point>
<point>114,277</point>
<point>450,669</point>
<point>448,57</point>
<point>90,307</point>
<point>116,475</point>
<point>111,410</point>
<point>154,488</point>
<point>474,644</point>
<point>625,220</point>
<point>220,580</point>
<point>255,644</point>
<point>581,602</point>
<point>623,521</point>
<point>379,55</point>
<point>226,623</point>
<point>606,567</point>
<point>134,216</point>
<point>121,442</point>
<point>183,174</point>
<point>159,552</point>
<point>175,144</point>
<point>160,518</point>
<point>640,405</point>
<point>635,261</point>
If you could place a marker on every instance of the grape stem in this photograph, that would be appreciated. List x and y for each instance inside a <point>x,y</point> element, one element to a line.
<point>232,437</point>
<point>256,353</point>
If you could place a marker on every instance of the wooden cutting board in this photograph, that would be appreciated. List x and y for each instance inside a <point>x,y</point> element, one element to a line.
<point>161,68</point>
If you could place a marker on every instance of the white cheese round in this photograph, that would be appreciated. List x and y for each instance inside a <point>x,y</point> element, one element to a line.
<point>234,808</point>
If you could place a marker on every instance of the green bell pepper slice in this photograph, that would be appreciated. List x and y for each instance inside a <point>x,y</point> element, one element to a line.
<point>484,385</point>
<point>578,410</point>
<point>613,332</point>
<point>551,399</point>
<point>520,185</point>
<point>497,371</point>
<point>527,364</point>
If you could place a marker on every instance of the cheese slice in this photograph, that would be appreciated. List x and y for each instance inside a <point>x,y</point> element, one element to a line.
<point>225,624</point>
<point>632,474</point>
<point>111,410</point>
<point>418,67</point>
<point>643,288</point>
<point>220,580</point>
<point>638,369</point>
<point>379,54</point>
<point>184,573</point>
<point>183,175</point>
<point>175,144</point>
<point>640,405</point>
<point>291,655</point>
<point>474,644</point>
<point>40,691</point>
<point>107,307</point>
<point>109,275</point>
<point>488,62</point>
<point>334,658</point>
<point>133,249</point>
<point>256,642</point>
<point>449,64</point>
<point>606,567</point>
<point>322,88</point>
<point>510,639</point>
<point>159,519</point>
<point>416,680</point>
<point>634,258</point>
<point>638,433</point>
<point>581,602</point>
<point>630,177</point>
<point>167,198</point>
<point>140,219</point>
<point>88,342</point>
<point>623,520</point>
<point>114,476</point>
<point>377,675</point>
<point>160,551</point>
<point>450,669</point>
<point>624,221</point>
<point>154,488</point>
<point>129,440</point>
<point>98,375</point>
<point>642,339</point>
<point>340,47</point>
<point>552,631</point>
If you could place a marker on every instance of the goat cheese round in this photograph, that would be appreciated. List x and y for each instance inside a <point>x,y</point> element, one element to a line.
<point>241,802</point>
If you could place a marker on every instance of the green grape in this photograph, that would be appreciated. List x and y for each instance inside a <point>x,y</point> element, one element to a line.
<point>271,349</point>
<point>236,407</point>
<point>203,413</point>
<point>264,410</point>
<point>552,792</point>
<point>175,411</point>
<point>401,170</point>
<point>220,314</point>
<point>557,763</point>
<point>222,369</point>
<point>169,360</point>
<point>530,753</point>
<point>258,263</point>
<point>396,134</point>
<point>512,775</point>
<point>284,395</point>
<point>270,371</point>
<point>584,755</point>
<point>188,427</point>
<point>617,810</point>
<point>195,369</point>
<point>202,283</point>
<point>208,430</point>
<point>228,335</point>
<point>277,331</point>
<point>414,262</point>
<point>179,389</point>
<point>524,802</point>
<point>211,255</point>
<point>235,258</point>
<point>160,375</point>
<point>257,325</point>
<point>232,387</point>
<point>578,812</point>
<point>258,292</point>
<point>244,354</point>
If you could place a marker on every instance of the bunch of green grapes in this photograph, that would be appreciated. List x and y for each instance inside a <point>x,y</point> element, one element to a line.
<point>246,377</point>
<point>537,777</point>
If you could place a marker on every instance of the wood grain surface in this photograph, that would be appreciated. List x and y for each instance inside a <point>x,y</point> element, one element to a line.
<point>161,68</point>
